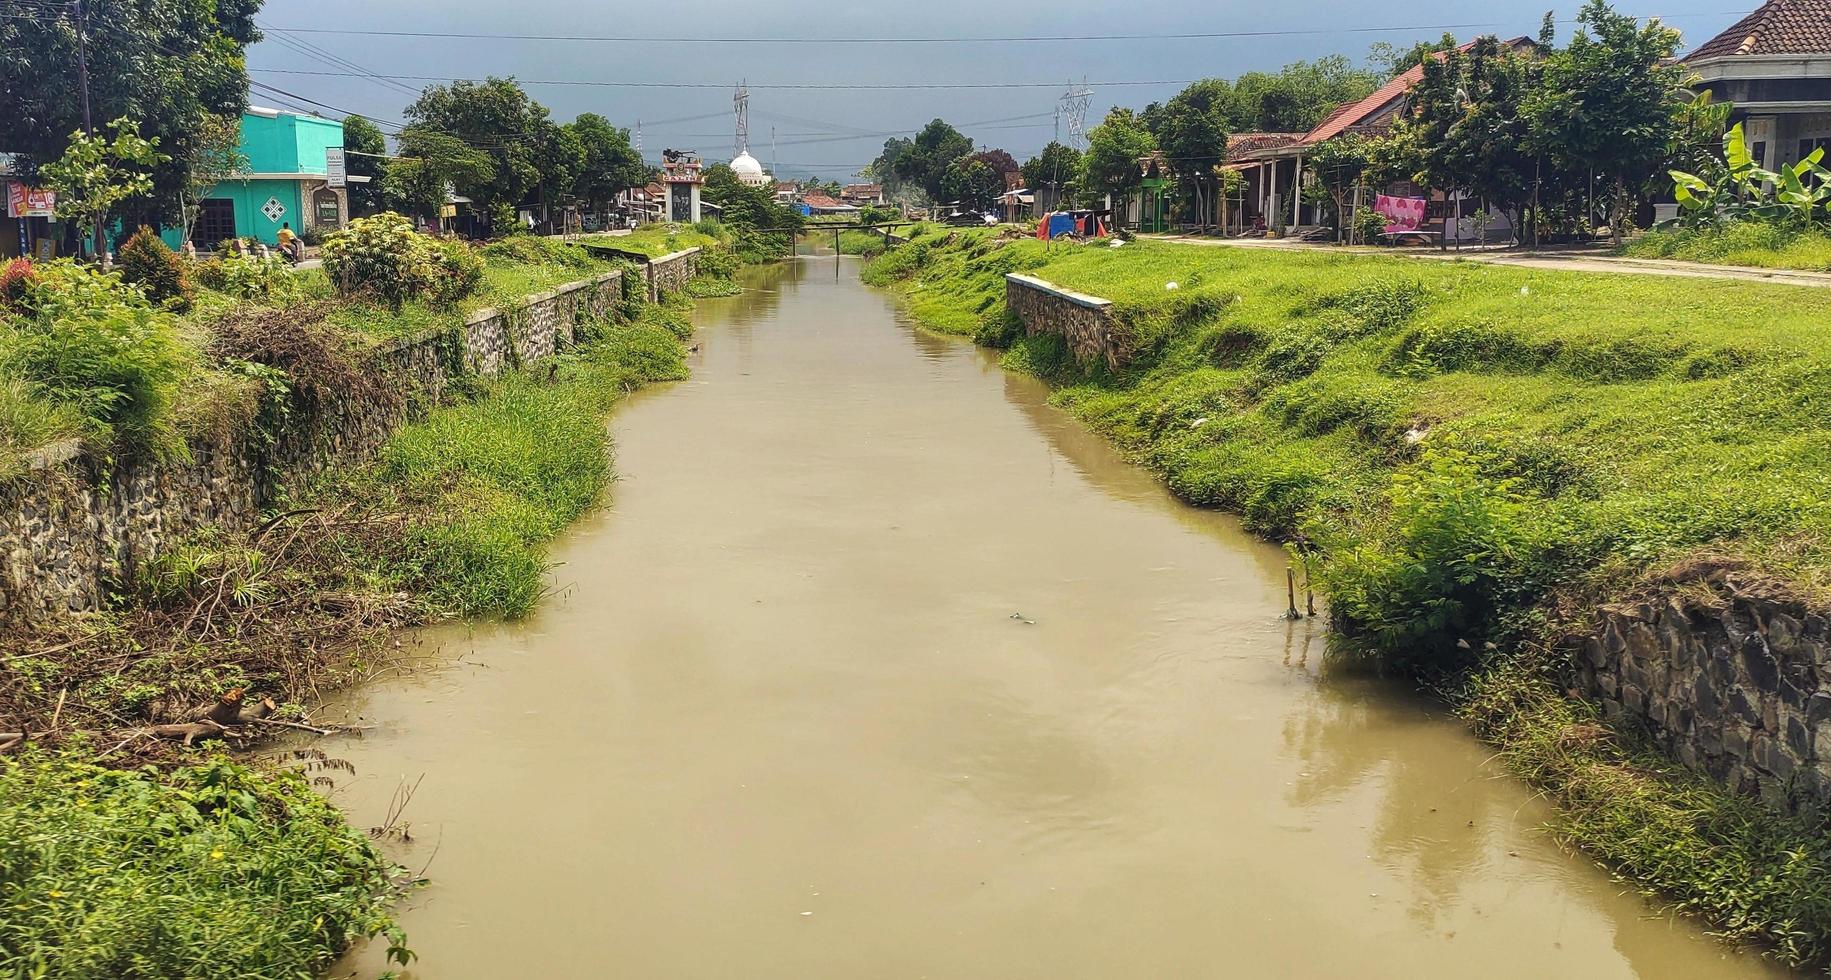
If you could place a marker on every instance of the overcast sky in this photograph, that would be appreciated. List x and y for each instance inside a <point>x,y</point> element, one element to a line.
<point>806,122</point>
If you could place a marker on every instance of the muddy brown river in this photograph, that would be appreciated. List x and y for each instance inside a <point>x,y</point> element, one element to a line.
<point>877,666</point>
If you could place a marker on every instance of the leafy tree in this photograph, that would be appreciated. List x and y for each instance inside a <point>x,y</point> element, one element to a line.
<point>1110,165</point>
<point>1608,101</point>
<point>496,117</point>
<point>1392,61</point>
<point>611,164</point>
<point>430,165</point>
<point>1339,164</point>
<point>559,158</point>
<point>96,175</point>
<point>1053,170</point>
<point>884,168</point>
<point>171,64</point>
<point>972,181</point>
<point>364,147</point>
<point>925,160</point>
<point>1191,130</point>
<point>764,226</point>
<point>1468,118</point>
<point>215,157</point>
<point>1298,97</point>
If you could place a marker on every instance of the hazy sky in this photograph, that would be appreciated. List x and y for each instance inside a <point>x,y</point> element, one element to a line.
<point>806,122</point>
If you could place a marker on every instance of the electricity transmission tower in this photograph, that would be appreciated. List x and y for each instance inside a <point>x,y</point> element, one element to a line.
<point>1073,105</point>
<point>740,103</point>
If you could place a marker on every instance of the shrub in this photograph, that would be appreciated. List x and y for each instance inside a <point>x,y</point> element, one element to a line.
<point>382,257</point>
<point>260,280</point>
<point>1425,593</point>
<point>157,270</point>
<point>209,273</point>
<point>312,235</point>
<point>457,270</point>
<point>118,365</point>
<point>14,281</point>
<point>213,870</point>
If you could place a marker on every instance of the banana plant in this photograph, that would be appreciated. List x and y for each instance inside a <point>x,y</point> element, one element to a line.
<point>1748,191</point>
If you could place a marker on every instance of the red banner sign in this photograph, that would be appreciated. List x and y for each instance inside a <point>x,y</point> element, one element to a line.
<point>28,202</point>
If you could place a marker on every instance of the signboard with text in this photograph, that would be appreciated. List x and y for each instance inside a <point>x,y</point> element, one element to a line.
<point>29,202</point>
<point>334,172</point>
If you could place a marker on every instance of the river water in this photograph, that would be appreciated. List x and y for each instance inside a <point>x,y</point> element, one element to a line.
<point>876,666</point>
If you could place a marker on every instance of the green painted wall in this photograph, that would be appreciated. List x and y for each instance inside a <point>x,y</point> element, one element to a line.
<point>273,144</point>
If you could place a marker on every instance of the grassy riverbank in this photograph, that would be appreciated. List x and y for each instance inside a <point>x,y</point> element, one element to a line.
<point>199,866</point>
<point>1467,452</point>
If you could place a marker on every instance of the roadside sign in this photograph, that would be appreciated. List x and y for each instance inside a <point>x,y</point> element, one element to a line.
<point>29,202</point>
<point>448,211</point>
<point>334,173</point>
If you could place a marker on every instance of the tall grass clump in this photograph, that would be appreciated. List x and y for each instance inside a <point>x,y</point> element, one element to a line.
<point>499,475</point>
<point>208,870</point>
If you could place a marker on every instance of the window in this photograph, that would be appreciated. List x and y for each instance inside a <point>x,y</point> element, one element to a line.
<point>1806,146</point>
<point>215,222</point>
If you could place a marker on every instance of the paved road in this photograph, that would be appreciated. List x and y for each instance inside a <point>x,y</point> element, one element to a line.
<point>1569,260</point>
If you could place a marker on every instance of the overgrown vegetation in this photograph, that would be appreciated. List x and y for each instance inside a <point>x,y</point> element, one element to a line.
<point>1454,446</point>
<point>208,870</point>
<point>1747,243</point>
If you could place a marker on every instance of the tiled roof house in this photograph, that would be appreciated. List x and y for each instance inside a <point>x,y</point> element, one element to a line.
<point>1775,66</point>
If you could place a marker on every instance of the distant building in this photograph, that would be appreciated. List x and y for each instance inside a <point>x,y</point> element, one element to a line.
<point>1775,67</point>
<point>817,204</point>
<point>30,216</point>
<point>288,182</point>
<point>862,194</point>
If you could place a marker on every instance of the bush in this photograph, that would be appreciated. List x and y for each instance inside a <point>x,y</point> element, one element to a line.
<point>312,235</point>
<point>212,870</point>
<point>259,280</point>
<point>382,257</point>
<point>1427,592</point>
<point>157,270</point>
<point>118,365</point>
<point>14,281</point>
<point>457,270</point>
<point>318,363</point>
<point>209,273</point>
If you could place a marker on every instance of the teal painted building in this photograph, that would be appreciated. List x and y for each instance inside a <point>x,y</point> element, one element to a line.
<point>285,184</point>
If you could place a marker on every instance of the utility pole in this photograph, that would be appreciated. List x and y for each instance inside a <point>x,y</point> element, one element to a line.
<point>82,84</point>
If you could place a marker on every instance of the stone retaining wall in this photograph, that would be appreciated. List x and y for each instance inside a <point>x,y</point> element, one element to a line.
<point>1731,677</point>
<point>1086,322</point>
<point>671,273</point>
<point>73,524</point>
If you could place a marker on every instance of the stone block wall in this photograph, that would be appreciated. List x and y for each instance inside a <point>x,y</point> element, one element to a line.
<point>73,524</point>
<point>1086,322</point>
<point>671,273</point>
<point>1731,676</point>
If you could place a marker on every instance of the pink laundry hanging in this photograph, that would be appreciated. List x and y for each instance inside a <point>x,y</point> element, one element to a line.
<point>1403,214</point>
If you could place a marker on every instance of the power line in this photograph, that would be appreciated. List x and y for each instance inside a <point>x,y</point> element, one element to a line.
<point>962,39</point>
<point>815,86</point>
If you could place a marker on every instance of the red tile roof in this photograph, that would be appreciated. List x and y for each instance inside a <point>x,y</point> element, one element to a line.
<point>822,201</point>
<point>1779,27</point>
<point>1246,144</point>
<point>1355,113</point>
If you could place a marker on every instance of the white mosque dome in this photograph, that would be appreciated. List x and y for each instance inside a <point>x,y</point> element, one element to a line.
<point>749,170</point>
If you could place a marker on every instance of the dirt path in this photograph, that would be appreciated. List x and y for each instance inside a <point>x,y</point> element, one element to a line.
<point>1574,260</point>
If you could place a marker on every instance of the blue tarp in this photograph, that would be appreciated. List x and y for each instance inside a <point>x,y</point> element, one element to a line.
<point>1061,223</point>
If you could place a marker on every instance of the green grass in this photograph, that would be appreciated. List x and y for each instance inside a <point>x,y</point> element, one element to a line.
<point>494,478</point>
<point>658,239</point>
<point>210,870</point>
<point>1749,244</point>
